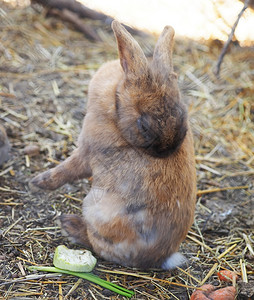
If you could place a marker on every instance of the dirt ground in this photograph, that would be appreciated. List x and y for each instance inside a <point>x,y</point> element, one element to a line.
<point>45,68</point>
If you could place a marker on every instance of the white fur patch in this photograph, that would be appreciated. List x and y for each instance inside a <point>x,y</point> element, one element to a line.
<point>178,204</point>
<point>100,206</point>
<point>173,261</point>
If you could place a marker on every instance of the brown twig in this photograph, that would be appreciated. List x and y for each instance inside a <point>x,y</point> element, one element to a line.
<point>226,45</point>
<point>31,277</point>
<point>74,6</point>
<point>148,277</point>
<point>202,192</point>
<point>69,16</point>
<point>81,11</point>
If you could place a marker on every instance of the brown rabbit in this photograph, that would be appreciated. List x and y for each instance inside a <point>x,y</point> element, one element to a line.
<point>4,146</point>
<point>137,144</point>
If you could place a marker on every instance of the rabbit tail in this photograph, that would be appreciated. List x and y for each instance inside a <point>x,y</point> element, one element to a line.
<point>174,260</point>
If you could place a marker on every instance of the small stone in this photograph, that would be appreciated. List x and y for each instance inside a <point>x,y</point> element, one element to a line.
<point>4,146</point>
<point>246,290</point>
<point>32,150</point>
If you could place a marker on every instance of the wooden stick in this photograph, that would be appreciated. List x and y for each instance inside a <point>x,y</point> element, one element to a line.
<point>226,45</point>
<point>60,291</point>
<point>243,271</point>
<point>21,268</point>
<point>31,277</point>
<point>202,192</point>
<point>225,252</point>
<point>210,273</point>
<point>74,6</point>
<point>73,18</point>
<point>73,198</point>
<point>188,274</point>
<point>248,244</point>
<point>200,243</point>
<point>11,226</point>
<point>11,203</point>
<point>83,11</point>
<point>148,277</point>
<point>73,288</point>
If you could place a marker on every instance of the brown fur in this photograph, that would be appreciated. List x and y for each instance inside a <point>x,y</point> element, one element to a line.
<point>137,144</point>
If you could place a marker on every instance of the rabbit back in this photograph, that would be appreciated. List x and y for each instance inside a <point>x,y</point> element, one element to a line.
<point>139,218</point>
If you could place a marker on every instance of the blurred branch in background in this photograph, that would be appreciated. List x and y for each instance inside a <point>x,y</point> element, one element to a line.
<point>73,11</point>
<point>226,45</point>
<point>251,3</point>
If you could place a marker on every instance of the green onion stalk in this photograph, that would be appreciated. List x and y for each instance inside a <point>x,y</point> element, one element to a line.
<point>88,276</point>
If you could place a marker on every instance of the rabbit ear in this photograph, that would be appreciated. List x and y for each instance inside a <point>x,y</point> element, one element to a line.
<point>132,58</point>
<point>162,57</point>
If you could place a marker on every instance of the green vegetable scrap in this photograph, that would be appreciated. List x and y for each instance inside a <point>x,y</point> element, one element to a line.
<point>88,276</point>
<point>74,260</point>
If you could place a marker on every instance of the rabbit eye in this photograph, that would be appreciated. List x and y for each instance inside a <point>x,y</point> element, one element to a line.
<point>142,125</point>
<point>145,129</point>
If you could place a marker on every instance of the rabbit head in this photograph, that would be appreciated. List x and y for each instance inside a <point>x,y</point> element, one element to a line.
<point>149,112</point>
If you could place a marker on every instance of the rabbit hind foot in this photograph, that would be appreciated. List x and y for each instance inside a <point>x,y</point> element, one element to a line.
<point>74,227</point>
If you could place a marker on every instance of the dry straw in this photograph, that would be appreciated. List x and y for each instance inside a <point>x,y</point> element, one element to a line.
<point>45,68</point>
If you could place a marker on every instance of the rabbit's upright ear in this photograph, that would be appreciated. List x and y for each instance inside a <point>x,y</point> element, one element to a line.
<point>132,58</point>
<point>162,57</point>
